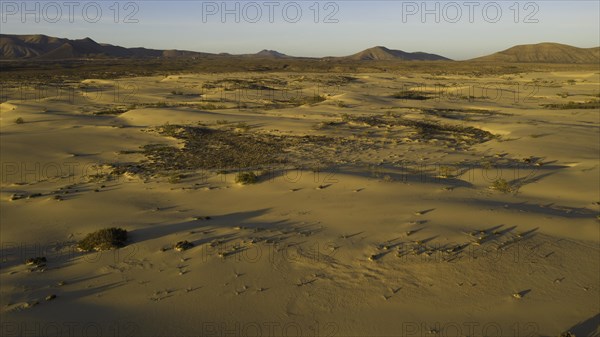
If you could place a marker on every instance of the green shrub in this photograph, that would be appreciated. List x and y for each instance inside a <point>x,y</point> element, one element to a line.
<point>104,239</point>
<point>246,178</point>
<point>19,120</point>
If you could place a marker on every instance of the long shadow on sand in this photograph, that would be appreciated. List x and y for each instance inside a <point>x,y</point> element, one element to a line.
<point>587,328</point>
<point>151,232</point>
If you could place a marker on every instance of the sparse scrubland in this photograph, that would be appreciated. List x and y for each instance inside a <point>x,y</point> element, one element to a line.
<point>371,191</point>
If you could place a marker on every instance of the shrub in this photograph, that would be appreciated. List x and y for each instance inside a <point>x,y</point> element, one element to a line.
<point>104,239</point>
<point>246,178</point>
<point>501,185</point>
<point>316,99</point>
<point>19,120</point>
<point>183,245</point>
<point>341,104</point>
<point>243,126</point>
<point>36,261</point>
<point>175,178</point>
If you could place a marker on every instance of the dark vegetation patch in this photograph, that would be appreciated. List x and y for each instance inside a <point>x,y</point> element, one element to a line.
<point>111,111</point>
<point>104,239</point>
<point>162,104</point>
<point>229,148</point>
<point>226,149</point>
<point>231,84</point>
<point>411,95</point>
<point>246,178</point>
<point>463,114</point>
<point>428,129</point>
<point>593,104</point>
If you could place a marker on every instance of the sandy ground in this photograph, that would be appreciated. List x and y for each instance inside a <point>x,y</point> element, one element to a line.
<point>395,236</point>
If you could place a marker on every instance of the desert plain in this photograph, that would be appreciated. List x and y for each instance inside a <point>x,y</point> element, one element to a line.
<point>402,202</point>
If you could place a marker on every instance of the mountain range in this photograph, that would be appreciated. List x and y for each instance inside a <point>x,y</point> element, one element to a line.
<point>42,47</point>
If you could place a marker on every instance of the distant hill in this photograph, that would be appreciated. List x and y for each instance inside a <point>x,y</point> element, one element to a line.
<point>382,53</point>
<point>44,47</point>
<point>270,54</point>
<point>545,53</point>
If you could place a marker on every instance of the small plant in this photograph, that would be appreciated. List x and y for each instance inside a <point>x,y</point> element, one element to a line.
<point>169,129</point>
<point>104,239</point>
<point>242,126</point>
<point>316,99</point>
<point>446,172</point>
<point>183,245</point>
<point>36,261</point>
<point>175,178</point>
<point>346,117</point>
<point>246,178</point>
<point>567,334</point>
<point>19,120</point>
<point>501,185</point>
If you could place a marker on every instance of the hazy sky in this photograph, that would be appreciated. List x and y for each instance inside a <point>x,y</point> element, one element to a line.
<point>465,29</point>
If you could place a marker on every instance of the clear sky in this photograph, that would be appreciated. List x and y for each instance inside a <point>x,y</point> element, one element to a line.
<point>465,29</point>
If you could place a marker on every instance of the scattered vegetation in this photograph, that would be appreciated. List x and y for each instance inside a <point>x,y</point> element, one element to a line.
<point>175,178</point>
<point>428,129</point>
<point>243,126</point>
<point>111,111</point>
<point>304,100</point>
<point>410,95</point>
<point>501,185</point>
<point>341,104</point>
<point>592,104</point>
<point>246,178</point>
<point>104,239</point>
<point>463,114</point>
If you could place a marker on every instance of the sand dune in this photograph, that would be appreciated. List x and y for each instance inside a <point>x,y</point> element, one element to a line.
<point>383,207</point>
